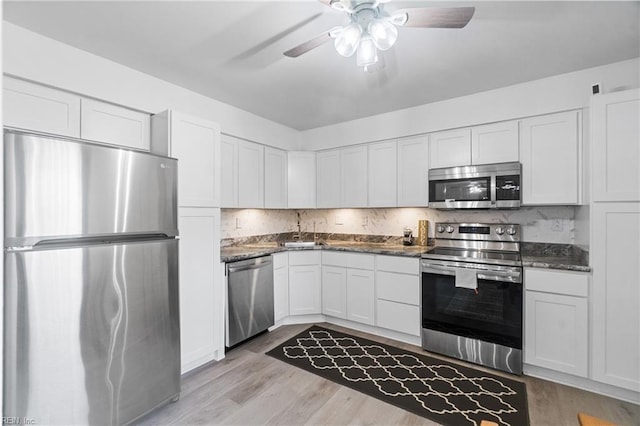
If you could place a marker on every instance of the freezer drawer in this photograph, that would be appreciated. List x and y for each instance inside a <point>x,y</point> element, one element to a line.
<point>68,188</point>
<point>91,333</point>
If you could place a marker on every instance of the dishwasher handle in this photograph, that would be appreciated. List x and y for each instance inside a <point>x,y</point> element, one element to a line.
<point>246,265</point>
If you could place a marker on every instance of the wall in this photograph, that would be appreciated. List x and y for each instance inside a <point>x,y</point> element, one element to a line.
<point>34,57</point>
<point>539,224</point>
<point>557,93</point>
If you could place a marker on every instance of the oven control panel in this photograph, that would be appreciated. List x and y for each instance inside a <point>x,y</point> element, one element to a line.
<point>478,231</point>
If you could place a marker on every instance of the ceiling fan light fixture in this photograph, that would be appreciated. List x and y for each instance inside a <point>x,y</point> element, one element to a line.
<point>383,33</point>
<point>399,19</point>
<point>367,52</point>
<point>348,40</point>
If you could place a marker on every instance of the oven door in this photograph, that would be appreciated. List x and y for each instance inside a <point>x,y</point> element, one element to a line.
<point>490,313</point>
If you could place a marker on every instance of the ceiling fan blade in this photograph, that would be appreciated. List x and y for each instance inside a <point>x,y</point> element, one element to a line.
<point>308,45</point>
<point>437,17</point>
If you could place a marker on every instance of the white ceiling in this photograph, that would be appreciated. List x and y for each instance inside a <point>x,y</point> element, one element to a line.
<point>232,50</point>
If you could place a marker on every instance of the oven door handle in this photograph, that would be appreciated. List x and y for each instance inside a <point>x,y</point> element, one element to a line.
<point>509,276</point>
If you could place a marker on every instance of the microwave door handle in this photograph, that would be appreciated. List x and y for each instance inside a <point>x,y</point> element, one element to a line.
<point>493,190</point>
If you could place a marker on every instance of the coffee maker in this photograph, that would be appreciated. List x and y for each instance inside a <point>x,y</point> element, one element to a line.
<point>407,239</point>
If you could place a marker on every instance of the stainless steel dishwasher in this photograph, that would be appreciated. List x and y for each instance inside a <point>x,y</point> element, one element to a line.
<point>249,298</point>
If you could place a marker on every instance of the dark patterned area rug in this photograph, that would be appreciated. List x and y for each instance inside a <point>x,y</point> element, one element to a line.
<point>444,392</point>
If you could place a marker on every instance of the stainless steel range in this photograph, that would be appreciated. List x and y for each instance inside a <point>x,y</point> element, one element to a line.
<point>472,294</point>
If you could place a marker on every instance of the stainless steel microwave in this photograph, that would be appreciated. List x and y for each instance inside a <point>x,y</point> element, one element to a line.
<point>486,186</point>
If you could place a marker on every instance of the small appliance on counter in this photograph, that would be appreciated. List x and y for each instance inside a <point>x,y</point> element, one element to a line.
<point>407,239</point>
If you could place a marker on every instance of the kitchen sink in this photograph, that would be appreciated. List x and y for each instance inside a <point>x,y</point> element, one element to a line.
<point>299,244</point>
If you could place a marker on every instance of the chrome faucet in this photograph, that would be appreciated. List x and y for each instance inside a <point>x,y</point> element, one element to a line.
<point>298,235</point>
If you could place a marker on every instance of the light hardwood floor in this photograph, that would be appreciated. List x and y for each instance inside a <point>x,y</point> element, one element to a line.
<point>250,388</point>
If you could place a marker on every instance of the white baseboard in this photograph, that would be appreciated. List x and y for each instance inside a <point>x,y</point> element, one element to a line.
<point>582,383</point>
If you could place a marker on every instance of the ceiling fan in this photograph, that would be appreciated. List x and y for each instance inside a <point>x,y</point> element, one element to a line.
<point>372,28</point>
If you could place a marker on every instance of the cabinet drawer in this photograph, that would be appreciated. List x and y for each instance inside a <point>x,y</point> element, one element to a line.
<point>559,282</point>
<point>398,317</point>
<point>398,287</point>
<point>310,257</point>
<point>280,260</point>
<point>403,265</point>
<point>348,260</point>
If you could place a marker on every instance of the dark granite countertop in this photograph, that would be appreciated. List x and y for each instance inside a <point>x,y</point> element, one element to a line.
<point>534,255</point>
<point>555,256</point>
<point>248,251</point>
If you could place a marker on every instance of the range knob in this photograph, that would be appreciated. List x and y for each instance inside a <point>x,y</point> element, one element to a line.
<point>440,229</point>
<point>450,229</point>
<point>511,230</point>
<point>499,230</point>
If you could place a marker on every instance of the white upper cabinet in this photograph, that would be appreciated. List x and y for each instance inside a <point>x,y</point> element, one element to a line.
<point>550,150</point>
<point>354,176</point>
<point>328,179</point>
<point>30,106</point>
<point>228,171</point>
<point>494,143</point>
<point>413,172</point>
<point>275,178</point>
<point>104,122</point>
<point>301,185</point>
<point>615,125</point>
<point>383,174</point>
<point>242,173</point>
<point>195,142</point>
<point>450,148</point>
<point>250,175</point>
<point>342,177</point>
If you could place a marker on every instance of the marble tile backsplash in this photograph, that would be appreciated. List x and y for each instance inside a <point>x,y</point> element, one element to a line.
<point>539,224</point>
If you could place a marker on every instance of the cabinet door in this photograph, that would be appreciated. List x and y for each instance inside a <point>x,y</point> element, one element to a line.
<point>228,171</point>
<point>116,125</point>
<point>198,248</point>
<point>334,291</point>
<point>354,177</point>
<point>275,178</point>
<point>195,142</point>
<point>328,179</point>
<point>398,316</point>
<point>413,172</point>
<point>250,175</point>
<point>301,176</point>
<point>495,143</point>
<point>383,174</point>
<point>556,332</point>
<point>280,286</point>
<point>615,132</point>
<point>305,291</point>
<point>550,156</point>
<point>450,148</point>
<point>360,296</point>
<point>616,294</point>
<point>30,106</point>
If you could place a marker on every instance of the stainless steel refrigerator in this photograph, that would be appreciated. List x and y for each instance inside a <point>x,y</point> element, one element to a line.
<point>91,321</point>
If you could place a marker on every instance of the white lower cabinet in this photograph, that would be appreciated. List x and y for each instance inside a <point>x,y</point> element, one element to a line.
<point>305,283</point>
<point>280,285</point>
<point>616,294</point>
<point>348,286</point>
<point>334,291</point>
<point>557,320</point>
<point>398,294</point>
<point>199,320</point>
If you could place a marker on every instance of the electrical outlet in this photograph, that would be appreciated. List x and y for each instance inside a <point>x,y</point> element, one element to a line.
<point>238,223</point>
<point>365,221</point>
<point>339,219</point>
<point>556,225</point>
